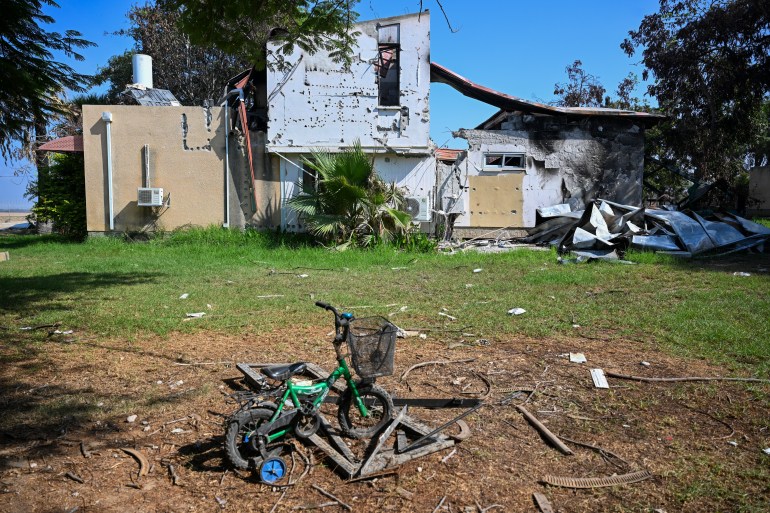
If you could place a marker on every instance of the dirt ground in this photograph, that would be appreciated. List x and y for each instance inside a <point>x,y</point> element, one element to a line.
<point>66,401</point>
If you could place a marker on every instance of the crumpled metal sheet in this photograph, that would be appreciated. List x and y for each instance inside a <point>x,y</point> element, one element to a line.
<point>655,242</point>
<point>604,227</point>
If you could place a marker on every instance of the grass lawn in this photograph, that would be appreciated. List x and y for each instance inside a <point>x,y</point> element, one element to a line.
<point>110,288</point>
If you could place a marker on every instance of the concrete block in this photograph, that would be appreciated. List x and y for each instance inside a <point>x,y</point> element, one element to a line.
<point>4,256</point>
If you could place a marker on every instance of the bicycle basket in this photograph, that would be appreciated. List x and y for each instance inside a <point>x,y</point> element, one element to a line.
<point>372,342</point>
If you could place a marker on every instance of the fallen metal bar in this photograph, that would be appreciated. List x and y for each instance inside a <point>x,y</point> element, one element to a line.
<point>442,427</point>
<point>454,402</point>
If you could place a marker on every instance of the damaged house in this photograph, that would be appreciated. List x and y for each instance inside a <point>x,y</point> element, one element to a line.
<point>530,155</point>
<point>236,164</point>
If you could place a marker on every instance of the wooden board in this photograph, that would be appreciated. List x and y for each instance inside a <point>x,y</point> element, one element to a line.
<point>496,201</point>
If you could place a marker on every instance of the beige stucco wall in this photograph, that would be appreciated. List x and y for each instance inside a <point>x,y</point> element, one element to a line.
<point>186,160</point>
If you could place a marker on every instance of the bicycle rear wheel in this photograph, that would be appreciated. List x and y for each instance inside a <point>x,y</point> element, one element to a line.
<point>240,447</point>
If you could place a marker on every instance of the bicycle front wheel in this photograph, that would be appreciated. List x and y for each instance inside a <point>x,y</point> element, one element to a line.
<point>379,406</point>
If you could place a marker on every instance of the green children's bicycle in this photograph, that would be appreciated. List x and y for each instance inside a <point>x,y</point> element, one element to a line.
<point>279,406</point>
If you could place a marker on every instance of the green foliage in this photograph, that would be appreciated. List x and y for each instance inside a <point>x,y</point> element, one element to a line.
<point>117,73</point>
<point>193,73</point>
<point>349,203</point>
<point>244,27</point>
<point>30,80</point>
<point>581,89</point>
<point>61,195</point>
<point>709,61</point>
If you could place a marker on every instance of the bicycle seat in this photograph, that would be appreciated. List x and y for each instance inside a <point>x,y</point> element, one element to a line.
<point>283,372</point>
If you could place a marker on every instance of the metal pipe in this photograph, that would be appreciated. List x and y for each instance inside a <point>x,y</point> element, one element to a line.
<point>107,118</point>
<point>223,102</point>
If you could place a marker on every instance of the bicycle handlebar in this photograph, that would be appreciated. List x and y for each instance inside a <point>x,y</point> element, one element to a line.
<point>339,321</point>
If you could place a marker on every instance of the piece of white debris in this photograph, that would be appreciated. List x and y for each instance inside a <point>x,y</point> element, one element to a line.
<point>302,276</point>
<point>477,270</point>
<point>403,308</point>
<point>209,306</point>
<point>146,428</point>
<point>741,273</point>
<point>626,426</point>
<point>468,285</point>
<point>450,317</point>
<point>159,382</point>
<point>196,315</point>
<point>131,418</point>
<point>178,383</point>
<point>419,469</point>
<point>766,451</point>
<point>33,465</point>
<point>646,364</point>
<point>59,332</point>
<point>184,296</point>
<point>99,404</point>
<point>576,325</point>
<point>516,311</point>
<point>577,358</point>
<point>423,336</point>
<point>600,380</point>
<point>733,443</point>
<point>177,431</point>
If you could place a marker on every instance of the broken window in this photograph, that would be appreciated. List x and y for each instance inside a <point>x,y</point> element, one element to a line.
<point>388,66</point>
<point>504,161</point>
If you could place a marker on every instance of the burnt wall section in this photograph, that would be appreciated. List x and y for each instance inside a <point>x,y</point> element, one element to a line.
<point>565,160</point>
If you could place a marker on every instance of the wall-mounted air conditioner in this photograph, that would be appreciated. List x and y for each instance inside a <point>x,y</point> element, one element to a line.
<point>419,208</point>
<point>150,196</point>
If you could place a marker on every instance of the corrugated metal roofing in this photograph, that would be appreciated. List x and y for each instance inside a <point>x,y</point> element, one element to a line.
<point>440,74</point>
<point>68,144</point>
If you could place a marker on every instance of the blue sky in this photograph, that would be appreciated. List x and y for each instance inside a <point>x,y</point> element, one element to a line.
<point>514,46</point>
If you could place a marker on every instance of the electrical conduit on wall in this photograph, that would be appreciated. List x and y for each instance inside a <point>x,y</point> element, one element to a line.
<point>107,118</point>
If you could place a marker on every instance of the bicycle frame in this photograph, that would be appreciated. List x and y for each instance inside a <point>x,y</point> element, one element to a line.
<point>320,391</point>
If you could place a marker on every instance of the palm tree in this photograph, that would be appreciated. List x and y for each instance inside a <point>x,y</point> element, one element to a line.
<point>349,203</point>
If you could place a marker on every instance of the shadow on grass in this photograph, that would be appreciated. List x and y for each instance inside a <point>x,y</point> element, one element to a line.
<point>10,242</point>
<point>24,293</point>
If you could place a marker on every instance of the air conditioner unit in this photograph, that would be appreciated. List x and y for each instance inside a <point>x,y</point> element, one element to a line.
<point>149,196</point>
<point>419,208</point>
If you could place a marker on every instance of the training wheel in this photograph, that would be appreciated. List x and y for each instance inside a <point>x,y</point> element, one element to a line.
<point>272,470</point>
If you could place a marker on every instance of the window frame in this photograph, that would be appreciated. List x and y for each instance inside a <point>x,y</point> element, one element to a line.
<point>503,155</point>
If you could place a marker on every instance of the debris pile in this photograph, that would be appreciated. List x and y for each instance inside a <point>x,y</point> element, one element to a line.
<point>605,230</point>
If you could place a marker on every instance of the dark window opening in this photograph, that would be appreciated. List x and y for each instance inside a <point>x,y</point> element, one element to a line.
<point>309,178</point>
<point>387,67</point>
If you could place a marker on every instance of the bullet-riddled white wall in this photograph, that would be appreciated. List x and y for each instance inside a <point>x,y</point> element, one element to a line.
<point>317,102</point>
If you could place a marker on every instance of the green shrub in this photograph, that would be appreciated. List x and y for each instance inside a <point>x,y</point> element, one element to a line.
<point>61,195</point>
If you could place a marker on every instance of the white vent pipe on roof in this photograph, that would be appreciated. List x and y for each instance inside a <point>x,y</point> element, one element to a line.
<point>142,69</point>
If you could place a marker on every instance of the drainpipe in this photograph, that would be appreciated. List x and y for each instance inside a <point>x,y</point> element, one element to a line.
<point>223,103</point>
<point>107,118</point>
